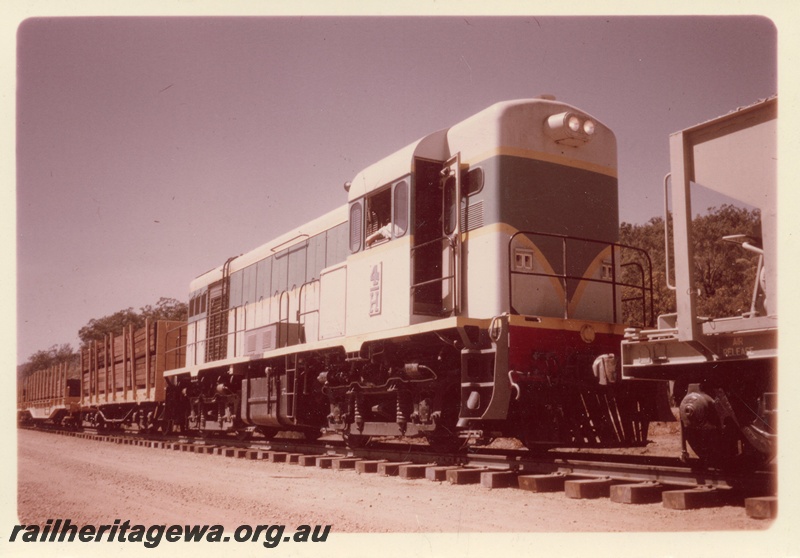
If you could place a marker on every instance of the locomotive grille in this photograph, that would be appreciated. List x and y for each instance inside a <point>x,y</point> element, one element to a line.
<point>268,340</point>
<point>472,216</point>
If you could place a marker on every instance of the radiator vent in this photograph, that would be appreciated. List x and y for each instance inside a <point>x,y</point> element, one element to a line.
<point>472,216</point>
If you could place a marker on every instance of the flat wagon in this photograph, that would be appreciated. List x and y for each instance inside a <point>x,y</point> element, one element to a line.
<point>122,376</point>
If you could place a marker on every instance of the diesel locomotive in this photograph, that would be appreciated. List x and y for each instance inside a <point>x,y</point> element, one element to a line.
<point>471,287</point>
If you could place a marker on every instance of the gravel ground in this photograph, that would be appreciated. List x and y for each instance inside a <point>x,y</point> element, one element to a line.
<point>94,483</point>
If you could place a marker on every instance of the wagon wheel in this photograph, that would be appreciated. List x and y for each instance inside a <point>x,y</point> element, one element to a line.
<point>148,429</point>
<point>738,440</point>
<point>206,434</point>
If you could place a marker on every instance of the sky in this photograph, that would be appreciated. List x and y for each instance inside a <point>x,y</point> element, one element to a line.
<point>149,150</point>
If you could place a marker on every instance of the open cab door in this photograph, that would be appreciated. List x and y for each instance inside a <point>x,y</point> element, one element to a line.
<point>436,251</point>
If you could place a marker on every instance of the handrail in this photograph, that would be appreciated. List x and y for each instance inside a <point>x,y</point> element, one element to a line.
<point>450,278</point>
<point>646,287</point>
<point>307,312</point>
<point>300,300</point>
<point>281,318</point>
<point>277,248</point>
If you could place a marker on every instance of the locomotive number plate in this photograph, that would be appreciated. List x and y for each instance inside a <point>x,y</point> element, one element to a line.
<point>375,289</point>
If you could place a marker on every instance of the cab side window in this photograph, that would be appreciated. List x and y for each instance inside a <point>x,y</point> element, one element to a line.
<point>379,218</point>
<point>387,216</point>
<point>400,208</point>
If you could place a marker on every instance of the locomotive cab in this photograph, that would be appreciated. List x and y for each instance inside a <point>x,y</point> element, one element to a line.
<point>511,255</point>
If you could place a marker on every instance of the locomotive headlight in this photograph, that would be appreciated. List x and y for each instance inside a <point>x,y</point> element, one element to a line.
<point>569,128</point>
<point>574,123</point>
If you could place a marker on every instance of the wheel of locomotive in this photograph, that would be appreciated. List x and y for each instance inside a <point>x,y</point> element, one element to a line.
<point>146,430</point>
<point>166,426</point>
<point>312,433</point>
<point>549,416</point>
<point>355,441</point>
<point>444,437</point>
<point>268,433</point>
<point>243,435</point>
<point>445,442</point>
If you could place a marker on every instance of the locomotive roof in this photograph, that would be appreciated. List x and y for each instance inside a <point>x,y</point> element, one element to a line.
<point>475,134</point>
<point>471,134</point>
<point>287,240</point>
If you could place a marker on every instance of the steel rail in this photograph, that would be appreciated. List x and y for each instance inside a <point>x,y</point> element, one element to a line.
<point>619,468</point>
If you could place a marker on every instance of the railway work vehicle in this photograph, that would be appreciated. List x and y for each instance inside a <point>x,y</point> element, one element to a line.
<point>723,368</point>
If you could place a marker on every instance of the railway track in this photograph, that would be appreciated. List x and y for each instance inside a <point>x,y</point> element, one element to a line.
<point>623,479</point>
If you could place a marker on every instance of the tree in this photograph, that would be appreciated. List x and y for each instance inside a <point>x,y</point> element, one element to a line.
<point>724,273</point>
<point>97,328</point>
<point>165,309</point>
<point>42,360</point>
<point>650,238</point>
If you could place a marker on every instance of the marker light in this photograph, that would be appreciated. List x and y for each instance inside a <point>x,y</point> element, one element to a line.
<point>568,128</point>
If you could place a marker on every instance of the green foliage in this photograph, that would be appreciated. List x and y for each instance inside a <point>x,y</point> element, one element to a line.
<point>724,272</point>
<point>165,309</point>
<point>42,360</point>
<point>650,238</point>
